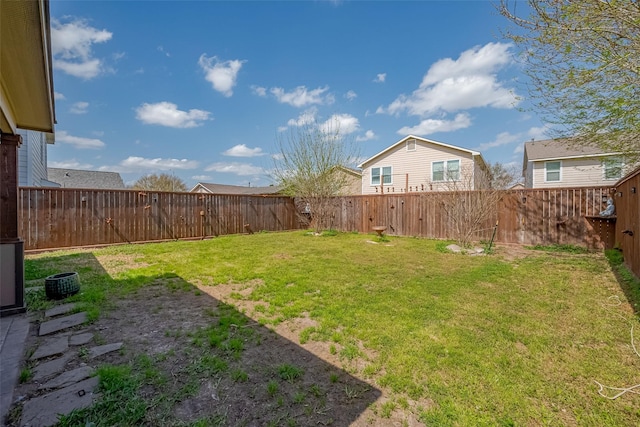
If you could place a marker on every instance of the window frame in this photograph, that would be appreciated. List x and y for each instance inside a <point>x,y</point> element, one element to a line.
<point>547,171</point>
<point>607,166</point>
<point>445,170</point>
<point>381,175</point>
<point>410,143</point>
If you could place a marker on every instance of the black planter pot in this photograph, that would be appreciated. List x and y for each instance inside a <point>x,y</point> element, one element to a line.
<point>61,285</point>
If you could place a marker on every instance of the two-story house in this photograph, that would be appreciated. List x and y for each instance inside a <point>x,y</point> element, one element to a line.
<point>416,164</point>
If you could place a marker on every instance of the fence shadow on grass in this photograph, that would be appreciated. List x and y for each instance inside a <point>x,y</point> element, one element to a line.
<point>196,359</point>
<point>629,284</point>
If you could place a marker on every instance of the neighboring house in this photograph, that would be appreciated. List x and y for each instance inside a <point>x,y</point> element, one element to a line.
<point>203,187</point>
<point>95,180</point>
<point>419,164</point>
<point>557,163</point>
<point>32,159</point>
<point>353,181</point>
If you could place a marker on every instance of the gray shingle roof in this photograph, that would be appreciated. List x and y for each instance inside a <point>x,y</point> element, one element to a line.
<point>73,178</point>
<point>203,187</point>
<point>558,149</point>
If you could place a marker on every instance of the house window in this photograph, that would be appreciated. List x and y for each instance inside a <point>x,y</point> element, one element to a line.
<point>612,168</point>
<point>448,170</point>
<point>552,171</point>
<point>386,175</point>
<point>411,145</point>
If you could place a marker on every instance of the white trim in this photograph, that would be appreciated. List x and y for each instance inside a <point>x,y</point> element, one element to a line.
<point>445,170</point>
<point>382,175</point>
<point>411,140</point>
<point>559,171</point>
<point>580,156</point>
<point>604,169</point>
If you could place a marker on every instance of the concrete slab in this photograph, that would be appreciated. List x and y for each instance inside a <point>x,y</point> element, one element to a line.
<point>67,378</point>
<point>60,309</point>
<point>51,347</point>
<point>104,349</point>
<point>61,323</point>
<point>43,411</point>
<point>46,369</point>
<point>13,334</point>
<point>80,339</point>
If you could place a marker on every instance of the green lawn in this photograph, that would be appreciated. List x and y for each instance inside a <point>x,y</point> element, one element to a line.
<point>484,340</point>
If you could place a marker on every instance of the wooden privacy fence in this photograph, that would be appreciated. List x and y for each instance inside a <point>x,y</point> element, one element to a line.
<point>627,198</point>
<point>564,216</point>
<point>58,217</point>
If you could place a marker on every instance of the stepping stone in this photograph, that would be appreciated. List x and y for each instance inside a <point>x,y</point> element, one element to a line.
<point>67,378</point>
<point>61,323</point>
<point>59,309</point>
<point>104,349</point>
<point>46,369</point>
<point>80,339</point>
<point>43,410</point>
<point>50,347</point>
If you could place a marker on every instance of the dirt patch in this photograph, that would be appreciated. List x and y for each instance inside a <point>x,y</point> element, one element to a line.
<point>204,356</point>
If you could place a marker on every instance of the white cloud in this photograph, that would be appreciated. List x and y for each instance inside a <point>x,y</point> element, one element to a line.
<point>202,178</point>
<point>305,118</point>
<point>428,126</point>
<point>343,123</point>
<point>58,96</point>
<point>368,135</point>
<point>70,164</point>
<point>468,82</point>
<point>380,78</point>
<point>167,114</point>
<point>135,164</point>
<point>241,150</point>
<point>259,90</point>
<point>539,133</point>
<point>503,138</point>
<point>221,74</point>
<point>301,97</point>
<point>519,149</point>
<point>78,142</point>
<point>71,46</point>
<point>351,95</point>
<point>79,107</point>
<point>242,169</point>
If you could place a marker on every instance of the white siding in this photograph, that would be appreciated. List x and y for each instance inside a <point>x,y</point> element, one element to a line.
<point>585,172</point>
<point>414,164</point>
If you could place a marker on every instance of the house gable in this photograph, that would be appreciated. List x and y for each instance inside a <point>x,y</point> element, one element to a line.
<point>407,165</point>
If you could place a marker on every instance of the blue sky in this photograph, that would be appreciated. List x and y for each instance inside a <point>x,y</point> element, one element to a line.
<point>204,89</point>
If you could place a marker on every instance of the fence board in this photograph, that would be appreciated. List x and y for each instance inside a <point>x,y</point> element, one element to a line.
<point>60,217</point>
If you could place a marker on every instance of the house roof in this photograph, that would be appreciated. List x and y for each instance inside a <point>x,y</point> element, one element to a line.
<point>74,178</point>
<point>26,80</point>
<point>351,171</point>
<point>204,187</point>
<point>556,149</point>
<point>429,141</point>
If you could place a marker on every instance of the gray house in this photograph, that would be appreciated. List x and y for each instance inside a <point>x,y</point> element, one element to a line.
<point>74,178</point>
<point>32,159</point>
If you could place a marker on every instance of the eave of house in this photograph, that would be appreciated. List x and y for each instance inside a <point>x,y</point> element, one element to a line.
<point>581,156</point>
<point>26,79</point>
<point>429,141</point>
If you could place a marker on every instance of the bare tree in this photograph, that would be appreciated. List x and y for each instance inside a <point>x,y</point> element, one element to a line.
<point>468,211</point>
<point>309,169</point>
<point>161,182</point>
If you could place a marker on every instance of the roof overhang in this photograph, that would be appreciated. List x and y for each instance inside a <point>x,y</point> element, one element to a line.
<point>26,78</point>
